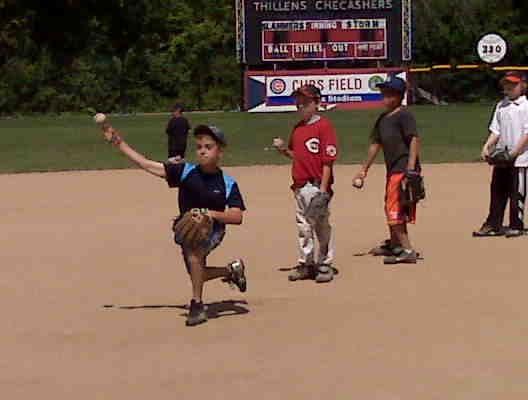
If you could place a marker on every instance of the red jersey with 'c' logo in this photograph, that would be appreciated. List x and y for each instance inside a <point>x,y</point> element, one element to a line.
<point>314,144</point>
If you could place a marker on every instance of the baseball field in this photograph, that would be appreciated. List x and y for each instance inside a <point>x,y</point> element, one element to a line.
<point>450,134</point>
<point>93,291</point>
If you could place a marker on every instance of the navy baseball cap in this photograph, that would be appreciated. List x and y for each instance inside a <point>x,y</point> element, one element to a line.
<point>213,131</point>
<point>393,83</point>
<point>177,106</point>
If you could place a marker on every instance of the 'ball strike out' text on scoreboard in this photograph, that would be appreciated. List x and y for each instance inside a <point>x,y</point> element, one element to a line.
<point>341,39</point>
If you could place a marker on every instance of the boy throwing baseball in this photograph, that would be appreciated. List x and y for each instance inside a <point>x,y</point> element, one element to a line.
<point>208,201</point>
<point>313,148</point>
<point>505,149</point>
<point>395,133</point>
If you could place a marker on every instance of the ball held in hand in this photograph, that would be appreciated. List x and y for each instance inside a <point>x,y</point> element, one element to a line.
<point>358,183</point>
<point>278,143</point>
<point>99,118</point>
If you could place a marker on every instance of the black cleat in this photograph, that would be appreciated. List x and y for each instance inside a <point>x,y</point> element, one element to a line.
<point>197,314</point>
<point>302,272</point>
<point>238,274</point>
<point>384,249</point>
<point>325,273</point>
<point>488,231</point>
<point>405,257</point>
<point>511,233</point>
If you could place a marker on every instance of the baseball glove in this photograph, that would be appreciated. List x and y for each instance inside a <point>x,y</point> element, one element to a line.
<point>413,188</point>
<point>192,229</point>
<point>318,206</point>
<point>500,157</point>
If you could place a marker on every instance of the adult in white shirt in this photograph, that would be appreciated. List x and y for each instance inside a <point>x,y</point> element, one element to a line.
<point>508,130</point>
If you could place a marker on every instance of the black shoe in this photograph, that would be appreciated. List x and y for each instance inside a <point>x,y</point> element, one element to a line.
<point>488,231</point>
<point>384,249</point>
<point>511,233</point>
<point>302,272</point>
<point>325,273</point>
<point>405,257</point>
<point>197,314</point>
<point>238,274</point>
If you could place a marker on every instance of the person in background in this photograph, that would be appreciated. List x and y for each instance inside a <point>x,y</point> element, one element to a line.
<point>177,132</point>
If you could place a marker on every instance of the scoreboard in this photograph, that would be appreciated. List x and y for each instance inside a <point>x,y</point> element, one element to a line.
<point>271,31</point>
<point>337,39</point>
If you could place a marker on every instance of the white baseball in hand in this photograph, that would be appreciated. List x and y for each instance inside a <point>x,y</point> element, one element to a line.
<point>278,143</point>
<point>99,118</point>
<point>358,183</point>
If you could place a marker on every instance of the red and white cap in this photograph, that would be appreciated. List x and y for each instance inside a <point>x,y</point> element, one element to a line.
<point>514,77</point>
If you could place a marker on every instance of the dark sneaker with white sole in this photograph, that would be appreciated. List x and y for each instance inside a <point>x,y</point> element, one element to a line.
<point>488,231</point>
<point>384,249</point>
<point>325,273</point>
<point>238,274</point>
<point>302,272</point>
<point>197,314</point>
<point>405,257</point>
<point>511,233</point>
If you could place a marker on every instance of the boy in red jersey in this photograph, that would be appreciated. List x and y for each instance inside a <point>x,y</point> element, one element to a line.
<point>313,149</point>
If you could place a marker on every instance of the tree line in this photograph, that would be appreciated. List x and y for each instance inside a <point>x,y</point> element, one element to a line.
<point>141,55</point>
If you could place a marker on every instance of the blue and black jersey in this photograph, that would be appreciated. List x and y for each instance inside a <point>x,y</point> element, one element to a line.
<point>198,189</point>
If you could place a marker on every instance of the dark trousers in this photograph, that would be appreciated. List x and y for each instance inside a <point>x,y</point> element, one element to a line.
<point>507,184</point>
<point>176,147</point>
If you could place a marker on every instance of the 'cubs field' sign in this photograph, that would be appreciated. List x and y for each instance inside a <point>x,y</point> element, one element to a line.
<point>271,91</point>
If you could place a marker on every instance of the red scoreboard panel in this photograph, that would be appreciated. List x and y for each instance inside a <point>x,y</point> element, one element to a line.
<point>339,39</point>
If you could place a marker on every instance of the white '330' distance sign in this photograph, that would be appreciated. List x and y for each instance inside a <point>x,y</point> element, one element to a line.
<point>492,48</point>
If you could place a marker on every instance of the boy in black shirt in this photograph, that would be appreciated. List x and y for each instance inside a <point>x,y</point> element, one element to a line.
<point>395,132</point>
<point>202,186</point>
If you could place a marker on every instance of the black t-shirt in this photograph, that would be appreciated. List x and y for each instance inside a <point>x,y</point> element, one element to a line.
<point>201,190</point>
<point>394,133</point>
<point>178,130</point>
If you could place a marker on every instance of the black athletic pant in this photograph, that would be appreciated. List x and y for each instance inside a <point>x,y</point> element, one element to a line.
<point>507,184</point>
<point>177,147</point>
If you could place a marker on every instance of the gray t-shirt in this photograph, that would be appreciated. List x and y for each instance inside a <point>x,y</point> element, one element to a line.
<point>394,133</point>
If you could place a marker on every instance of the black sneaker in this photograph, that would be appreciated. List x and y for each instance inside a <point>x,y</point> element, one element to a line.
<point>488,231</point>
<point>511,233</point>
<point>238,274</point>
<point>197,314</point>
<point>384,249</point>
<point>405,257</point>
<point>302,272</point>
<point>325,273</point>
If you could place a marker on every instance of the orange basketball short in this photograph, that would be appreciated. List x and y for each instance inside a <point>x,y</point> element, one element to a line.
<point>396,213</point>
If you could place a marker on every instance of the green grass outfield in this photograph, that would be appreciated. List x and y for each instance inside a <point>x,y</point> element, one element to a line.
<point>450,134</point>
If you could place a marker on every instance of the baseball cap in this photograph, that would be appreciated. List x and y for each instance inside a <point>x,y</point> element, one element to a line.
<point>514,77</point>
<point>177,106</point>
<point>213,131</point>
<point>310,91</point>
<point>393,83</point>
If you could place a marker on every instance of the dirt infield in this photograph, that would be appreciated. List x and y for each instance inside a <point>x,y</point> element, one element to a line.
<point>452,327</point>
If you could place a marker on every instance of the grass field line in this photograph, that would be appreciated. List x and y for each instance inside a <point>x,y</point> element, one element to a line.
<point>450,134</point>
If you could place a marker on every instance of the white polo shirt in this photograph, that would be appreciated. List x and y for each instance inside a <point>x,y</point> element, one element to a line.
<point>510,123</point>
